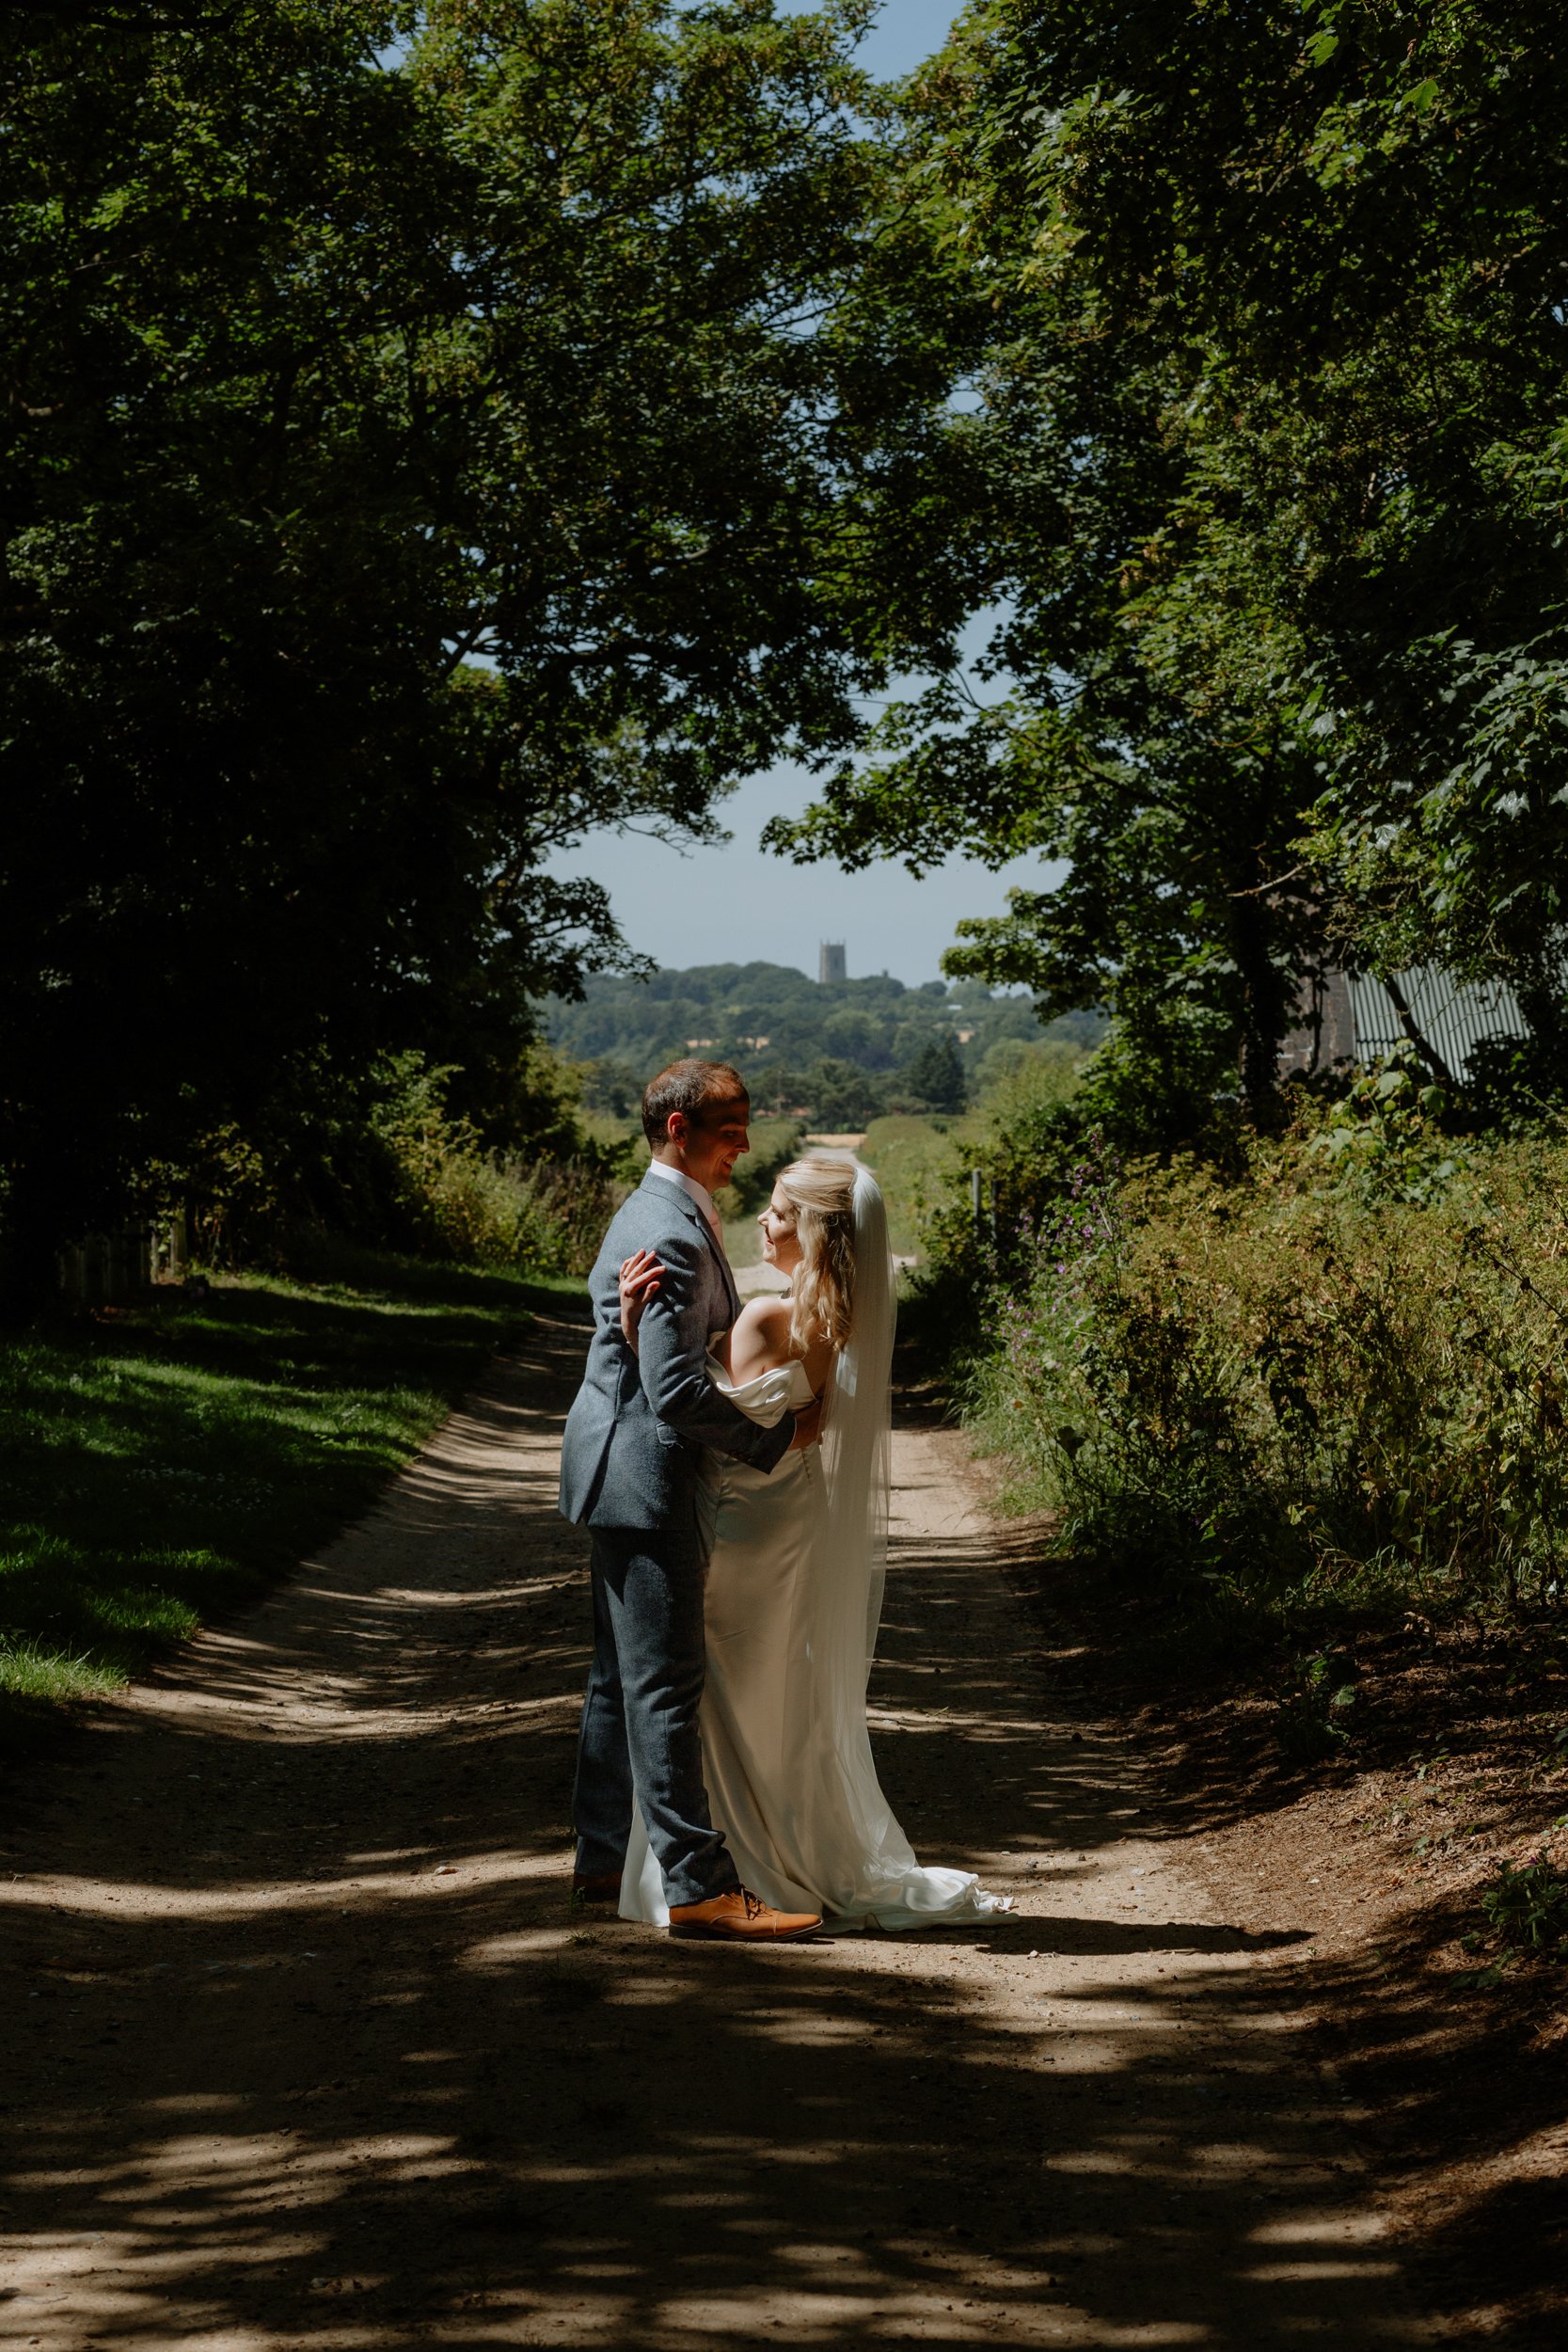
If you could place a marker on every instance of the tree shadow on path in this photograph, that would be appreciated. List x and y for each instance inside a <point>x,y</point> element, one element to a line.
<point>314,2055</point>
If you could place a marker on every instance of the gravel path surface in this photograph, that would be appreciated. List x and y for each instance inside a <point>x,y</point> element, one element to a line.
<point>303,2052</point>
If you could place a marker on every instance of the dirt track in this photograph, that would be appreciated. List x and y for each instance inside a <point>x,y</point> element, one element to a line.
<point>303,2052</point>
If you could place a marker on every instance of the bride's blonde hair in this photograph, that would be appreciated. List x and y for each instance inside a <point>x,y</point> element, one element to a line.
<point>822,1195</point>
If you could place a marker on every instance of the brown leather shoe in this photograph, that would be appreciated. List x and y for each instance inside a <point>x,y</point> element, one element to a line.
<point>741,1918</point>
<point>595,1886</point>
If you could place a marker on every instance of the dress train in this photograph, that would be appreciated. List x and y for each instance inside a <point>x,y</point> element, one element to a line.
<point>785,1749</point>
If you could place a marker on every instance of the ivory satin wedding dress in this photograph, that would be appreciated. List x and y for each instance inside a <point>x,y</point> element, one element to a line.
<point>792,1606</point>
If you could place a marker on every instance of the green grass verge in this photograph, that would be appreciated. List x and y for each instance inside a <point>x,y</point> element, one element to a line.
<point>742,1242</point>
<point>163,1462</point>
<point>915,1162</point>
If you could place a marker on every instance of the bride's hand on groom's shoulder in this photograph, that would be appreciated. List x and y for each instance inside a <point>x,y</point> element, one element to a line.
<point>640,1280</point>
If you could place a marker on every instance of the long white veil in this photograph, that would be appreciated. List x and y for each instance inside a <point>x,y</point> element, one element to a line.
<point>864,1864</point>
<point>857,1446</point>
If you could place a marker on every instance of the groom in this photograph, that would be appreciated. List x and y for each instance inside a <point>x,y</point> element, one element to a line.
<point>630,1461</point>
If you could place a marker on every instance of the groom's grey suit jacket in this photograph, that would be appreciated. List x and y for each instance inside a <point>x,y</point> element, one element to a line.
<point>637,1429</point>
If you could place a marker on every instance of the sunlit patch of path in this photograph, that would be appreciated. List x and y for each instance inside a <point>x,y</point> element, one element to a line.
<point>303,2052</point>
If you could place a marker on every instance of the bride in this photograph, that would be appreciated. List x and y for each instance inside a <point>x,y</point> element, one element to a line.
<point>795,1578</point>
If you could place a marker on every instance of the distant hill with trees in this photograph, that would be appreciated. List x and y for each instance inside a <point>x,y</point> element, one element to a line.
<point>840,1052</point>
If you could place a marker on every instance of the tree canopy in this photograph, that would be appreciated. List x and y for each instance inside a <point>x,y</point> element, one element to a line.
<point>1266,453</point>
<point>417,455</point>
<point>433,433</point>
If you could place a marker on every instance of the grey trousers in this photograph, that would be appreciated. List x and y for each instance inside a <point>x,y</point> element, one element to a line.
<point>639,1740</point>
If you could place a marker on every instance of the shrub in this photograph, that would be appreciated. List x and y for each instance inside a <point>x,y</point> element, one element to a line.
<point>1293,1388</point>
<point>1311,1721</point>
<point>460,1201</point>
<point>1528,1908</point>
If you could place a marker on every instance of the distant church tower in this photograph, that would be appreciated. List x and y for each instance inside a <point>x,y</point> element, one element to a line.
<point>830,962</point>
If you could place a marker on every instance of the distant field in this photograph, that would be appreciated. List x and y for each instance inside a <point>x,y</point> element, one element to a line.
<point>742,1241</point>
<point>915,1156</point>
<point>913,1160</point>
<point>604,1127</point>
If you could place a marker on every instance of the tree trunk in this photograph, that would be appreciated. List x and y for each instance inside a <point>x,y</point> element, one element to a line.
<point>1427,1051</point>
<point>1264,1019</point>
<point>32,1236</point>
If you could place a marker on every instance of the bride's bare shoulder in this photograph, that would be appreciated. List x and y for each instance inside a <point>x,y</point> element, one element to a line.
<point>759,1338</point>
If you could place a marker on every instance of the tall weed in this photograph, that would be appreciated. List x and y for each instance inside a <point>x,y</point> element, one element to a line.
<point>457,1200</point>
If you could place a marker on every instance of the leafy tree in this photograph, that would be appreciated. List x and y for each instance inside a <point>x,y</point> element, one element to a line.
<point>776,1025</point>
<point>612,1084</point>
<point>842,1097</point>
<point>1267,462</point>
<point>1173,793</point>
<point>409,466</point>
<point>1345,233</point>
<point>936,1075</point>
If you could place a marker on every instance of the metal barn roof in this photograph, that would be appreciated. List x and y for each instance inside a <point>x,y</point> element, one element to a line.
<point>1452,1015</point>
<point>1351,1019</point>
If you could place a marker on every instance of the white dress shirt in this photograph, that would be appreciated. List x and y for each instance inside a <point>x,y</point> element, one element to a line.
<point>694,1191</point>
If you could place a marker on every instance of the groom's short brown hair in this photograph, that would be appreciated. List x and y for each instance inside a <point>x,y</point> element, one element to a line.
<point>692,1086</point>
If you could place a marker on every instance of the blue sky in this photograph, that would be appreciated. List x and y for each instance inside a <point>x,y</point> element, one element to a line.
<point>733,904</point>
<point>905,31</point>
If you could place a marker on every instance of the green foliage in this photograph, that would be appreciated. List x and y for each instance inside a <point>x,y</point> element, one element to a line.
<point>774,1143</point>
<point>1020,1088</point>
<point>1165,1079</point>
<point>1289,1392</point>
<point>452,1198</point>
<point>612,1089</point>
<point>840,1095</point>
<point>1383,1139</point>
<point>1159,769</point>
<point>936,1075</point>
<point>1026,1146</point>
<point>160,1468</point>
<point>1019,1138</point>
<point>915,1161</point>
<point>415,461</point>
<point>841,1052</point>
<point>1264,459</point>
<point>1528,1909</point>
<point>1058,1065</point>
<point>1311,1723</point>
